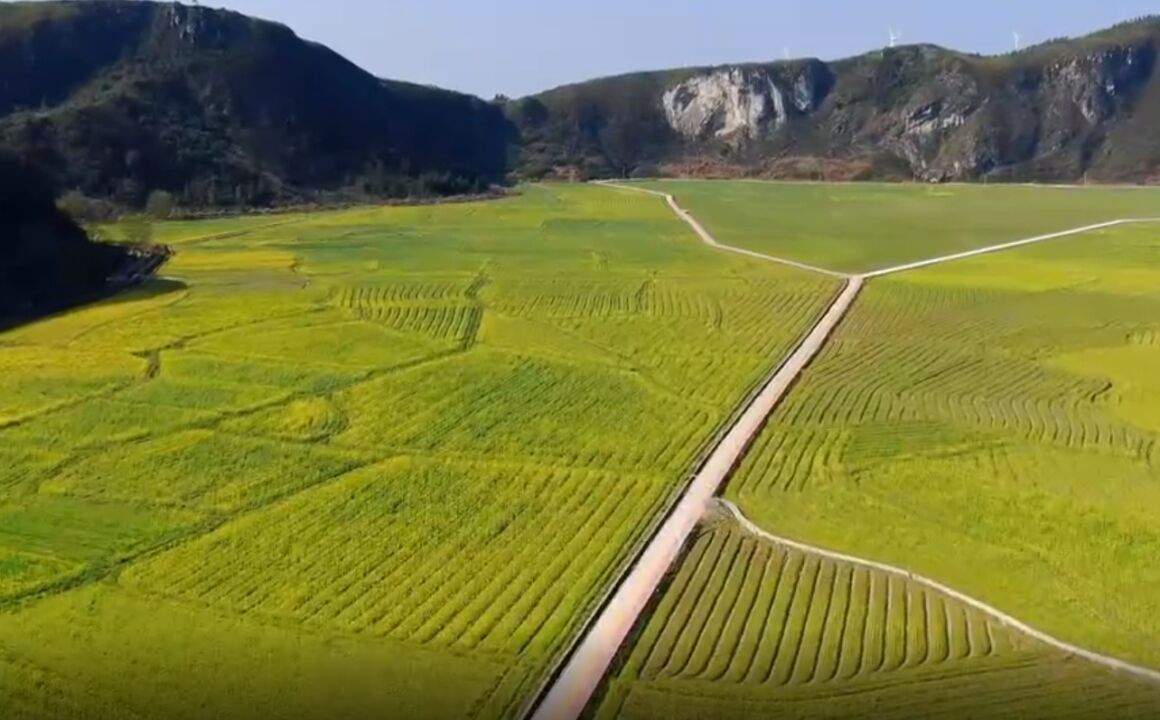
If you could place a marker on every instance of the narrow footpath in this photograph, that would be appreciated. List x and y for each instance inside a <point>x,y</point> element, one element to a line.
<point>1105,660</point>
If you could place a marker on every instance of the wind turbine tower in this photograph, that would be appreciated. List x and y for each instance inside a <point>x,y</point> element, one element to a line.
<point>1018,41</point>
<point>894,38</point>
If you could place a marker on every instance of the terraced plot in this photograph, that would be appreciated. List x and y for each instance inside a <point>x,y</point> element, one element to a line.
<point>991,423</point>
<point>861,227</point>
<point>751,629</point>
<point>361,464</point>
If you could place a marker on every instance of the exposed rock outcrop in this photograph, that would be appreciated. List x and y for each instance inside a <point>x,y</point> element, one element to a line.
<point>743,101</point>
<point>1058,112</point>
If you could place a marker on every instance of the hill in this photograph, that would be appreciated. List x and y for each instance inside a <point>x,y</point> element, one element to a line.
<point>117,99</point>
<point>47,262</point>
<point>1055,112</point>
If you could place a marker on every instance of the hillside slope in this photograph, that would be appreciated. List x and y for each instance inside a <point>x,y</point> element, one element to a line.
<point>120,98</point>
<point>1058,111</point>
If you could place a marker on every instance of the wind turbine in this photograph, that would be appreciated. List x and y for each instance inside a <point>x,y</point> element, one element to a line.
<point>1018,41</point>
<point>785,51</point>
<point>894,38</point>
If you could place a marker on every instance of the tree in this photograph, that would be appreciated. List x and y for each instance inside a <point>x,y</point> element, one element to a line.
<point>85,210</point>
<point>160,205</point>
<point>138,229</point>
<point>77,206</point>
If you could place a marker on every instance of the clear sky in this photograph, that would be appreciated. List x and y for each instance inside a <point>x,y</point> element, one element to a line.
<point>517,47</point>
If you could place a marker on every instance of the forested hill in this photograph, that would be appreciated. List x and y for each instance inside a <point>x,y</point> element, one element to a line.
<point>1061,111</point>
<point>118,99</point>
<point>47,262</point>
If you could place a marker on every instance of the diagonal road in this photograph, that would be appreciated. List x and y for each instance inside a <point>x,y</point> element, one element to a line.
<point>584,671</point>
<point>575,684</point>
<point>572,687</point>
<point>1004,246</point>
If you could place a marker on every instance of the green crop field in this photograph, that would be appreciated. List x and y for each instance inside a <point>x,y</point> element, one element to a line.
<point>370,463</point>
<point>750,629</point>
<point>383,461</point>
<point>863,227</point>
<point>991,423</point>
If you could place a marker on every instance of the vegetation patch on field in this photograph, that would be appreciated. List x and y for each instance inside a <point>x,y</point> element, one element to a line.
<point>362,463</point>
<point>990,423</point>
<point>752,629</point>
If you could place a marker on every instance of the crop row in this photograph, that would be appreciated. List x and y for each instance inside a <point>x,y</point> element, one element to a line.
<point>472,556</point>
<point>752,629</point>
<point>507,406</point>
<point>401,292</point>
<point>1032,688</point>
<point>878,372</point>
<point>743,611</point>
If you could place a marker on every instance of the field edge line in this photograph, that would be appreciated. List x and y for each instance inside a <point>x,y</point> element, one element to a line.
<point>1006,619</point>
<point>568,693</point>
<point>707,237</point>
<point>919,264</point>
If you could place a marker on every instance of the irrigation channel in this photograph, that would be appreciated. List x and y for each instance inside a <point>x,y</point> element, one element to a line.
<point>573,683</point>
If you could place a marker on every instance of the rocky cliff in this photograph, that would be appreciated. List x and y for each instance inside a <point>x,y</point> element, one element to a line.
<point>1059,111</point>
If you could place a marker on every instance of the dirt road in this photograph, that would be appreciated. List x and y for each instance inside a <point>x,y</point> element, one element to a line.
<point>589,662</point>
<point>711,241</point>
<point>1004,246</point>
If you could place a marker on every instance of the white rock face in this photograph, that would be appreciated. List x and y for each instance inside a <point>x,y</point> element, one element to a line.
<point>803,94</point>
<point>726,103</point>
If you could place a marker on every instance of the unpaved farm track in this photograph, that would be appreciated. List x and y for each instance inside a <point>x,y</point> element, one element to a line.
<point>585,669</point>
<point>1005,246</point>
<point>572,687</point>
<point>711,241</point>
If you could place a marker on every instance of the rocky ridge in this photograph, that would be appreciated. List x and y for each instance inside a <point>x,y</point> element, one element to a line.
<point>1061,111</point>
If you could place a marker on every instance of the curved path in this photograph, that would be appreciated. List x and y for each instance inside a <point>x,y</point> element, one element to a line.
<point>711,241</point>
<point>573,685</point>
<point>994,612</point>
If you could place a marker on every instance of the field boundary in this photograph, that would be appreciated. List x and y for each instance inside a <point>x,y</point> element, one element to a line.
<point>528,706</point>
<point>1004,246</point>
<point>568,693</point>
<point>708,239</point>
<point>711,241</point>
<point>568,688</point>
<point>1006,619</point>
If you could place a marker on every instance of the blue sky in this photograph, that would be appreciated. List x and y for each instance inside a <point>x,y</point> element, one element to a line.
<point>518,47</point>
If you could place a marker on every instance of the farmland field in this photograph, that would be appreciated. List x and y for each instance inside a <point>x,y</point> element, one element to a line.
<point>383,461</point>
<point>751,629</point>
<point>863,227</point>
<point>991,423</point>
<point>370,463</point>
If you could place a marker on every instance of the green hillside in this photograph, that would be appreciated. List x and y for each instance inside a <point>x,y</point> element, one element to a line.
<point>117,99</point>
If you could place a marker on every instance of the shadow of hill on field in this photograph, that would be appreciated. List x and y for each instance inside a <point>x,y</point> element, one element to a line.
<point>48,263</point>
